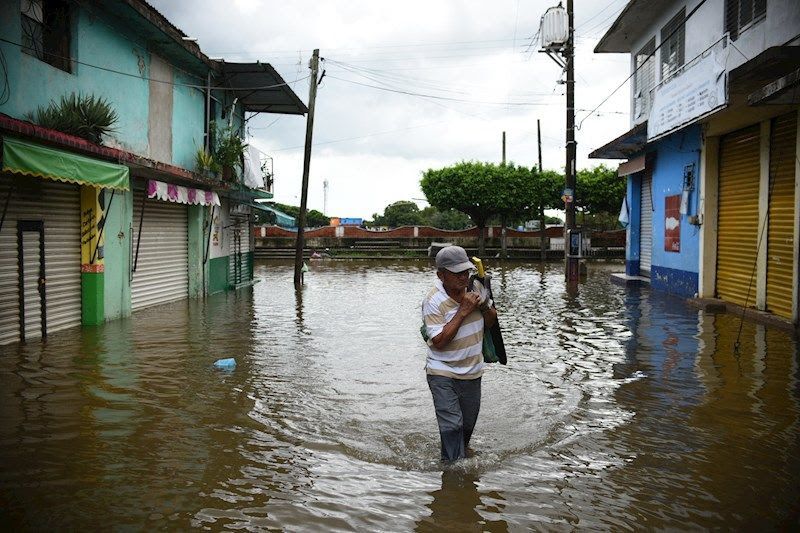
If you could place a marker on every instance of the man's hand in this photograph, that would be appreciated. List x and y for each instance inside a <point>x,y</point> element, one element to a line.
<point>483,293</point>
<point>469,303</point>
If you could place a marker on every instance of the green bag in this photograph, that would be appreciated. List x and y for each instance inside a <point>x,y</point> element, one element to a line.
<point>489,352</point>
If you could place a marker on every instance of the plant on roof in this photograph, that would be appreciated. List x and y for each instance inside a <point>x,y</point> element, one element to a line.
<point>205,162</point>
<point>83,115</point>
<point>228,149</point>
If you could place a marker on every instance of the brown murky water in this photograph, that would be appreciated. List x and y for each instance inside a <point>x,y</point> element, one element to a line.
<point>619,409</point>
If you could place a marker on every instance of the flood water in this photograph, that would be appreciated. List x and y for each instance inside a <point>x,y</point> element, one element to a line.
<point>619,409</point>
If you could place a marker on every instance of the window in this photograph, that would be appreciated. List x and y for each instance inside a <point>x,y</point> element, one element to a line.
<point>741,14</point>
<point>644,79</point>
<point>45,31</point>
<point>672,44</point>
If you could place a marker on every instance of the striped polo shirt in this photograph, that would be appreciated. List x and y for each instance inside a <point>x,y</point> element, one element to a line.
<point>462,358</point>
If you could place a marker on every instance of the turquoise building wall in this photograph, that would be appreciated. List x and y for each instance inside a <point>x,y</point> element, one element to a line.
<point>99,40</point>
<point>117,255</point>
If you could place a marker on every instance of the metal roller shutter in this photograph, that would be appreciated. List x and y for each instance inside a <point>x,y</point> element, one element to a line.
<point>646,225</point>
<point>162,267</point>
<point>239,247</point>
<point>780,243</point>
<point>58,206</point>
<point>737,241</point>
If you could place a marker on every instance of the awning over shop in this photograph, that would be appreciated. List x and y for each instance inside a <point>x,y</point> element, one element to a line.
<point>624,146</point>
<point>631,166</point>
<point>35,160</point>
<point>261,89</point>
<point>281,218</point>
<point>179,194</point>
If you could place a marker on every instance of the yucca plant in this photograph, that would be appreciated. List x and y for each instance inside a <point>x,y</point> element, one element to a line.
<point>204,161</point>
<point>83,115</point>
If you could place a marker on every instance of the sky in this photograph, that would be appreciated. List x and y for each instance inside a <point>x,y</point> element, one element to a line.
<point>472,68</point>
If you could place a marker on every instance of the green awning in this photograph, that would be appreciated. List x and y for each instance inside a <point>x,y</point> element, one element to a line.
<point>35,160</point>
<point>281,218</point>
<point>259,193</point>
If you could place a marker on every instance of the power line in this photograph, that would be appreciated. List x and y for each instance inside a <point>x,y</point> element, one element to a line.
<point>176,84</point>
<point>437,97</point>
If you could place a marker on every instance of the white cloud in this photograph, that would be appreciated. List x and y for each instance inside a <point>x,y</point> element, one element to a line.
<point>372,145</point>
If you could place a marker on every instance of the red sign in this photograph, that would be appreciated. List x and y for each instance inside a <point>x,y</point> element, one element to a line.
<point>672,223</point>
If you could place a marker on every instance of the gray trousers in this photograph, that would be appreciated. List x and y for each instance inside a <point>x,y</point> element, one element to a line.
<point>457,402</point>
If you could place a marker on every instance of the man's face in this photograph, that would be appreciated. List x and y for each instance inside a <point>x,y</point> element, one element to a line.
<point>454,282</point>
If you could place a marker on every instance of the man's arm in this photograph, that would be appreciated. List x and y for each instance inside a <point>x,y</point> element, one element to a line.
<point>468,304</point>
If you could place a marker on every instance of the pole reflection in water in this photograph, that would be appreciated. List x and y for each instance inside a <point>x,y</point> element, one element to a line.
<point>619,409</point>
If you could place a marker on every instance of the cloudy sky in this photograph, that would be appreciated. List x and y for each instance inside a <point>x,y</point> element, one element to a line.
<point>471,68</point>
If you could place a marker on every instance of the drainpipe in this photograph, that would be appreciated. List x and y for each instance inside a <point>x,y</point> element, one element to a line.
<point>208,113</point>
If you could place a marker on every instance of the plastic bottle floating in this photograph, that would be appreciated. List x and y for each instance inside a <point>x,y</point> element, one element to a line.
<point>225,364</point>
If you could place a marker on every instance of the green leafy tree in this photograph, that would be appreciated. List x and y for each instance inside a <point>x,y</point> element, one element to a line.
<point>402,213</point>
<point>477,189</point>
<point>599,191</point>
<point>448,219</point>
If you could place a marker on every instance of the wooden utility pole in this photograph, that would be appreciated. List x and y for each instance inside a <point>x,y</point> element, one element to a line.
<point>542,232</point>
<point>539,141</point>
<point>569,170</point>
<point>301,222</point>
<point>503,249</point>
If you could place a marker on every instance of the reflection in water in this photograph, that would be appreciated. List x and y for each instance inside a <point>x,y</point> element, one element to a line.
<point>455,506</point>
<point>619,409</point>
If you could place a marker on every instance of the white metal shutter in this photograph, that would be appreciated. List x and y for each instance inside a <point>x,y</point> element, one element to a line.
<point>162,267</point>
<point>238,249</point>
<point>646,225</point>
<point>58,205</point>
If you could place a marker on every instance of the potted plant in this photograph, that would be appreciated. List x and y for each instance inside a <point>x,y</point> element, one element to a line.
<point>82,115</point>
<point>228,152</point>
<point>205,162</point>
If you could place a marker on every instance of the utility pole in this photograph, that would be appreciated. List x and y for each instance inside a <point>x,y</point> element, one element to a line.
<point>503,249</point>
<point>572,263</point>
<point>325,196</point>
<point>542,232</point>
<point>539,141</point>
<point>301,222</point>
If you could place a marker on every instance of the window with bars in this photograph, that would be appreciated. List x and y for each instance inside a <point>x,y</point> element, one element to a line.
<point>673,37</point>
<point>644,79</point>
<point>46,31</point>
<point>741,14</point>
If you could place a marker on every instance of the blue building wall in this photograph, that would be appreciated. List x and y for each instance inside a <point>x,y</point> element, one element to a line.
<point>632,233</point>
<point>676,272</point>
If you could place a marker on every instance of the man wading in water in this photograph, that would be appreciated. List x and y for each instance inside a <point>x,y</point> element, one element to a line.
<point>454,320</point>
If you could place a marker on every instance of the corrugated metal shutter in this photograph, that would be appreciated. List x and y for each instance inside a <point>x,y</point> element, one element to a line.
<point>162,267</point>
<point>737,241</point>
<point>238,248</point>
<point>646,224</point>
<point>58,205</point>
<point>780,244</point>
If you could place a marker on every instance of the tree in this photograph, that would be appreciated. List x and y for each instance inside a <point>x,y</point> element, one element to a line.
<point>599,192</point>
<point>402,213</point>
<point>477,189</point>
<point>448,219</point>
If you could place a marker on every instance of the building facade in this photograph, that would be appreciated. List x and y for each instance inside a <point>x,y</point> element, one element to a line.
<point>92,231</point>
<point>712,153</point>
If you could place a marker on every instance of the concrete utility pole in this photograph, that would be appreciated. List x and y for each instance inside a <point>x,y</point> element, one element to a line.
<point>572,263</point>
<point>504,148</point>
<point>301,222</point>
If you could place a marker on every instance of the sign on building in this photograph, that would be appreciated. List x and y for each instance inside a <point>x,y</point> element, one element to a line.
<point>698,90</point>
